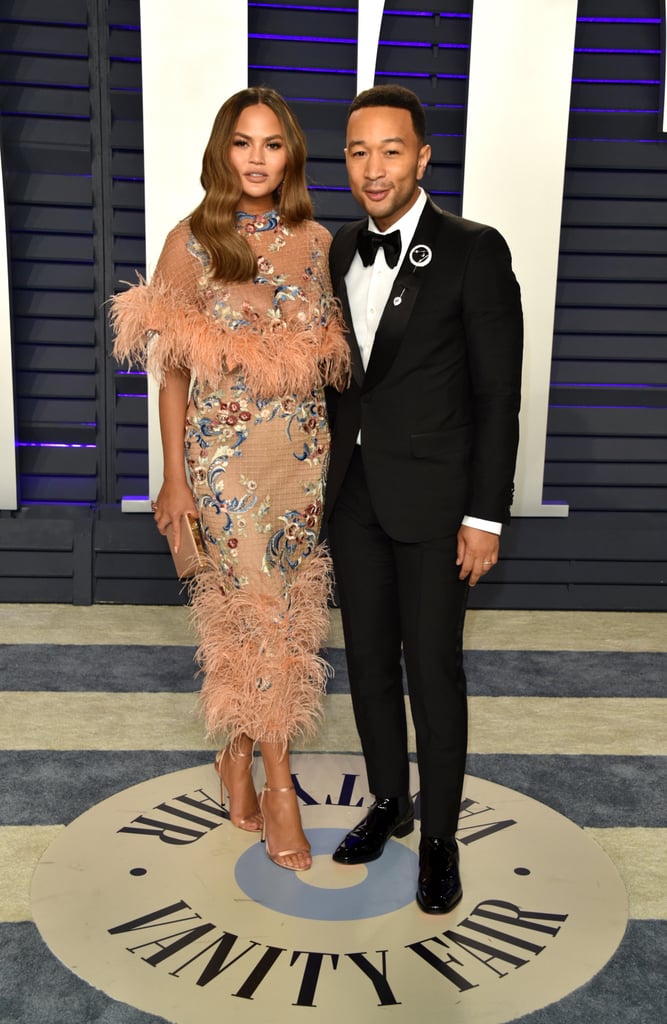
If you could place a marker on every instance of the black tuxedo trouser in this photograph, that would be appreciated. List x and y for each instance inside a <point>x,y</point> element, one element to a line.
<point>395,595</point>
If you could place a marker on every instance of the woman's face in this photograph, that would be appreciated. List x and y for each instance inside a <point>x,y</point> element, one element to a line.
<point>259,157</point>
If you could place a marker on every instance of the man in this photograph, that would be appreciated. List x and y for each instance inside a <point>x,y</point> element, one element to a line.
<point>420,481</point>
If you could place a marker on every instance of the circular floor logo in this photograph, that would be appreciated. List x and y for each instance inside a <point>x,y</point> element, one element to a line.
<point>154,897</point>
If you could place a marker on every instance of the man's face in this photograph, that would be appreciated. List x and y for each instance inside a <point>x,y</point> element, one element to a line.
<point>384,162</point>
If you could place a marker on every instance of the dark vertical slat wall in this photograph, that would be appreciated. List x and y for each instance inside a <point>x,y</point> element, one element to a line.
<point>47,154</point>
<point>129,440</point>
<point>608,421</point>
<point>319,79</point>
<point>71,128</point>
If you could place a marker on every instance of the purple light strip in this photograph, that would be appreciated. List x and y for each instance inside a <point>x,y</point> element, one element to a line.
<point>411,74</point>
<point>617,81</point>
<point>310,39</point>
<point>602,138</point>
<point>286,67</point>
<point>429,14</point>
<point>609,49</point>
<point>300,7</point>
<point>353,10</point>
<point>340,71</point>
<point>353,42</point>
<point>61,88</point>
<point>66,24</point>
<point>26,115</point>
<point>43,53</point>
<point>621,21</point>
<point>52,444</point>
<point>612,110</point>
<point>76,504</point>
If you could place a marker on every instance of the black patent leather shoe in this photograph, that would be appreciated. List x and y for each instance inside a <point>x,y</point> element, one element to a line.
<point>439,885</point>
<point>366,842</point>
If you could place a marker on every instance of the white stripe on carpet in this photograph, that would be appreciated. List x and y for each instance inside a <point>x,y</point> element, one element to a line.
<point>485,629</point>
<point>498,725</point>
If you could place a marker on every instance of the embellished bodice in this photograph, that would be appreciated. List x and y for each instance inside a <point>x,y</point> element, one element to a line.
<point>283,289</point>
<point>281,330</point>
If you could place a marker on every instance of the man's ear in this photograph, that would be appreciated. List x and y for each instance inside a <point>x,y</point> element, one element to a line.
<point>424,157</point>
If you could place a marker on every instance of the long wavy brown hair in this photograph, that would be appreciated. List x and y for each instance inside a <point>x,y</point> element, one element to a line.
<point>213,222</point>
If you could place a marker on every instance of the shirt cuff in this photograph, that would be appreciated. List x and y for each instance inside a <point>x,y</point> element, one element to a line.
<point>482,524</point>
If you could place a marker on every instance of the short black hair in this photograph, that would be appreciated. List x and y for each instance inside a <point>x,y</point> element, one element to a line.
<point>393,96</point>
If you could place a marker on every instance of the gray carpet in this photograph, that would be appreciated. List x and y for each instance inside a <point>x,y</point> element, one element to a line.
<point>47,788</point>
<point>135,669</point>
<point>43,787</point>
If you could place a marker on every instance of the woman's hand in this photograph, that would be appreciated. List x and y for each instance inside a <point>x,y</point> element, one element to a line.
<point>175,498</point>
<point>173,502</point>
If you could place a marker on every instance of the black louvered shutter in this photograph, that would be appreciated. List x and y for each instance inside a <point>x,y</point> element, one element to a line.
<point>47,152</point>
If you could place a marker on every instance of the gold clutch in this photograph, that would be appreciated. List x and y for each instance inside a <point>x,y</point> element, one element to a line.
<point>190,557</point>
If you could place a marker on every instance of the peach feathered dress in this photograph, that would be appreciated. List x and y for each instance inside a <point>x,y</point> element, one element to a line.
<point>257,448</point>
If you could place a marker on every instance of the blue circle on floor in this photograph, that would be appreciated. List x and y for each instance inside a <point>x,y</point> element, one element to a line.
<point>389,885</point>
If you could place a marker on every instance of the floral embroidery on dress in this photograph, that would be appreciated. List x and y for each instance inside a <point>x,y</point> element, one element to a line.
<point>306,426</point>
<point>257,449</point>
<point>291,543</point>
<point>275,285</point>
<point>251,223</point>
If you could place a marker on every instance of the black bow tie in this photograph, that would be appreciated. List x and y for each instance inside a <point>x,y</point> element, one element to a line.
<point>368,243</point>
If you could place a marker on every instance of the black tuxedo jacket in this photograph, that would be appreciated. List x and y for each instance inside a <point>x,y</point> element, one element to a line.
<point>438,405</point>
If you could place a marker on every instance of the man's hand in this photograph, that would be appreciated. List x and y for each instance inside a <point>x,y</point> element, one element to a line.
<point>476,553</point>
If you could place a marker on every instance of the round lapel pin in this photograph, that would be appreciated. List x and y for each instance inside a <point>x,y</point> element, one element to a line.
<point>420,256</point>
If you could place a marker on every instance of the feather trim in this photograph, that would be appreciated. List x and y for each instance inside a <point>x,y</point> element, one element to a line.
<point>158,331</point>
<point>263,675</point>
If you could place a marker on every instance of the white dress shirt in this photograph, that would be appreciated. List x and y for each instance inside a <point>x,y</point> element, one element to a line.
<point>368,289</point>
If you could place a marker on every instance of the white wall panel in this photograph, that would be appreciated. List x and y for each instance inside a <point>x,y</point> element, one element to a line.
<point>369,21</point>
<point>516,137</point>
<point>190,65</point>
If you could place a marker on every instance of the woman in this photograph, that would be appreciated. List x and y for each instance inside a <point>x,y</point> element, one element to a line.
<point>239,325</point>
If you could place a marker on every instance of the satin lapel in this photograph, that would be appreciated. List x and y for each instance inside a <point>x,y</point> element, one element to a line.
<point>344,254</point>
<point>393,323</point>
